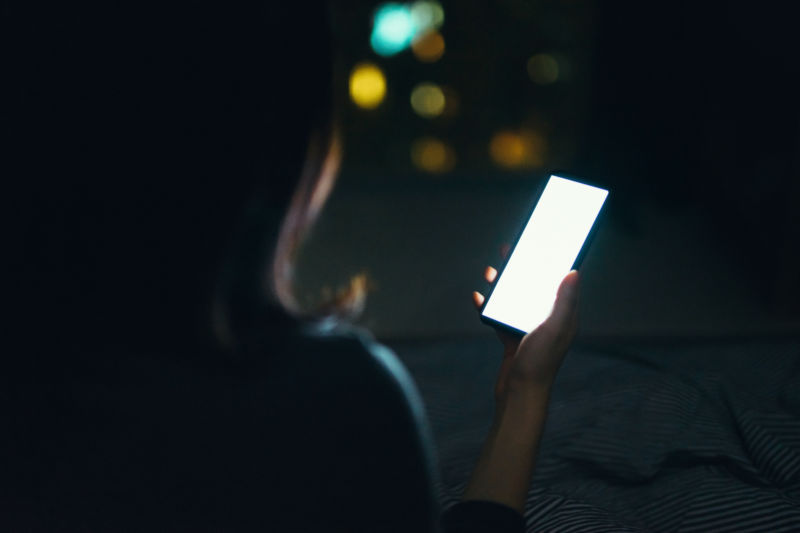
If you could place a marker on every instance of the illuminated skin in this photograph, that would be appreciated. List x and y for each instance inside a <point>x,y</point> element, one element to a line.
<point>504,470</point>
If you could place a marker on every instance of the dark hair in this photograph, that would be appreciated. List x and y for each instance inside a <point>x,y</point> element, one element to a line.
<point>160,153</point>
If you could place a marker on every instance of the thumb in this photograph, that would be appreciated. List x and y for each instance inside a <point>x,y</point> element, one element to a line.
<point>565,308</point>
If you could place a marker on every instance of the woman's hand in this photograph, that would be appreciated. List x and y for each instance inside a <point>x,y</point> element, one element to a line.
<point>504,470</point>
<point>530,364</point>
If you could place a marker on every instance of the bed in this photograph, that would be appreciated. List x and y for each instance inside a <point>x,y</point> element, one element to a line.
<point>641,436</point>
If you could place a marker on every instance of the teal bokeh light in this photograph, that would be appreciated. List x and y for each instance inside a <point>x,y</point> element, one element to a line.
<point>393,29</point>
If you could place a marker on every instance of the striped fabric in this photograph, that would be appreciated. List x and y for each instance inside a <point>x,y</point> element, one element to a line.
<point>702,437</point>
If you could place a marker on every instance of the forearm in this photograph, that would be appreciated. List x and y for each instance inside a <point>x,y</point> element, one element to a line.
<point>505,467</point>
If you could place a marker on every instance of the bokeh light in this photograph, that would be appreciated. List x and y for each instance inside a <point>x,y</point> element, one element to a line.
<point>427,15</point>
<point>451,102</point>
<point>518,150</point>
<point>432,155</point>
<point>427,100</point>
<point>428,47</point>
<point>367,85</point>
<point>543,69</point>
<point>392,29</point>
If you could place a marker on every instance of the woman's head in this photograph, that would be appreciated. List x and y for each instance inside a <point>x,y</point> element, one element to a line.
<point>162,150</point>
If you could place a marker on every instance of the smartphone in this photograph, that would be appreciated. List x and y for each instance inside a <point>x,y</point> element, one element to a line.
<point>552,242</point>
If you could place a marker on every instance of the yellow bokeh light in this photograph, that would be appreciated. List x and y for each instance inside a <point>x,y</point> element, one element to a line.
<point>428,100</point>
<point>514,150</point>
<point>451,102</point>
<point>429,47</point>
<point>432,155</point>
<point>367,85</point>
<point>543,69</point>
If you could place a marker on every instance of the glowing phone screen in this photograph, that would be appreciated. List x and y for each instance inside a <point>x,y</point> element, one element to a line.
<point>524,293</point>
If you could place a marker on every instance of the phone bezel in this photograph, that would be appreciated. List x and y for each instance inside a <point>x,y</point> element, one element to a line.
<point>578,260</point>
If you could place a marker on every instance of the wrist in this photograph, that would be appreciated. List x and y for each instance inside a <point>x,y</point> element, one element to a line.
<point>519,395</point>
<point>522,405</point>
<point>504,470</point>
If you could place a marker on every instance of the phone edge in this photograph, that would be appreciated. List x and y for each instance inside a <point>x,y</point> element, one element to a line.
<point>575,265</point>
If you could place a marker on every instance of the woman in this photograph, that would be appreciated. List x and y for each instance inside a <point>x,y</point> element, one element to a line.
<point>170,163</point>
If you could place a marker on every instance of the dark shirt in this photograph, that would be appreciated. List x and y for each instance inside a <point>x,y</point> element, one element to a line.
<point>326,431</point>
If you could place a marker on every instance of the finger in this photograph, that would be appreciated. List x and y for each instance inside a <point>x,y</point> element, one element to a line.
<point>505,248</point>
<point>490,274</point>
<point>477,299</point>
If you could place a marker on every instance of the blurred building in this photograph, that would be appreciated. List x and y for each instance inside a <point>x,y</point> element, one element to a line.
<point>689,113</point>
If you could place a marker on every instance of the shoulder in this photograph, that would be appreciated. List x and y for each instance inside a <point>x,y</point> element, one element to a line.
<point>352,376</point>
<point>351,354</point>
<point>379,448</point>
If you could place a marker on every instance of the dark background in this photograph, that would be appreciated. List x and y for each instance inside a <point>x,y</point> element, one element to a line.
<point>688,111</point>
